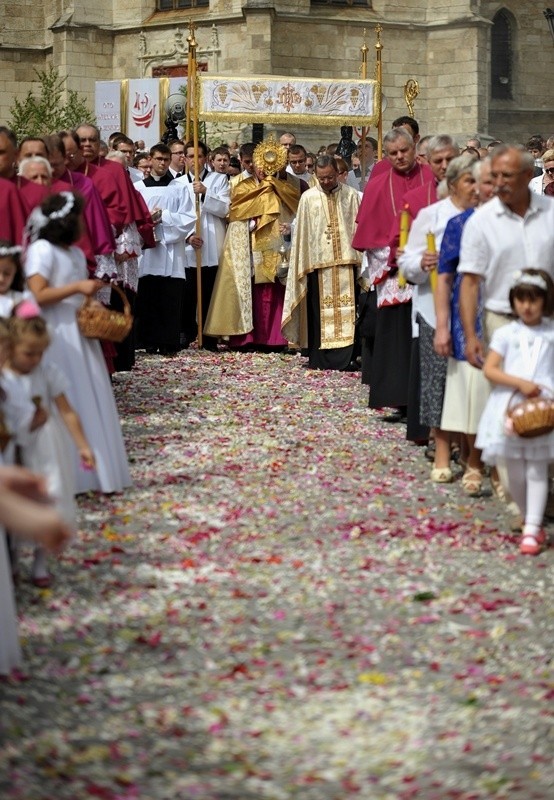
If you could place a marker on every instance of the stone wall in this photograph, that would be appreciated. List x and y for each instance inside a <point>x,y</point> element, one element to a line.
<point>444,45</point>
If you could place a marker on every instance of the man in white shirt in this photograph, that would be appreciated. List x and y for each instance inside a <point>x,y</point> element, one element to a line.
<point>513,231</point>
<point>212,189</point>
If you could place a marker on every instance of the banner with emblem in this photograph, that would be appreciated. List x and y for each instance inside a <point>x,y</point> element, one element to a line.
<point>302,101</point>
<point>143,109</point>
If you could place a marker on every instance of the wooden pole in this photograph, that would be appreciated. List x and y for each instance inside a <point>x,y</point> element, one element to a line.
<point>188,118</point>
<point>198,230</point>
<point>363,74</point>
<point>379,79</point>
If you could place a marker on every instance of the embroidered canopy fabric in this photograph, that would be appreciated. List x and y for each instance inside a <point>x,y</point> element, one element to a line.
<point>271,98</point>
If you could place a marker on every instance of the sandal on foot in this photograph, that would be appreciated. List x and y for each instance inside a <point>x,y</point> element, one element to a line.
<point>441,475</point>
<point>42,582</point>
<point>532,544</point>
<point>472,481</point>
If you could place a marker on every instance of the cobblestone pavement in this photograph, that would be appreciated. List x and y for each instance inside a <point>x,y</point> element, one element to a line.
<point>283,606</point>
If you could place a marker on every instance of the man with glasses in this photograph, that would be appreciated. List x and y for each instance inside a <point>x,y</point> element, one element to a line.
<point>320,298</point>
<point>297,164</point>
<point>177,163</point>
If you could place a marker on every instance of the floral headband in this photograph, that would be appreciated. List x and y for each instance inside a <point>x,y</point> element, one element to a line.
<point>10,251</point>
<point>524,279</point>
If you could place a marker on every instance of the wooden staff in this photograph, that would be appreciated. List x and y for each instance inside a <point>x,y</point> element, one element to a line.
<point>198,230</point>
<point>190,38</point>
<point>379,78</point>
<point>363,74</point>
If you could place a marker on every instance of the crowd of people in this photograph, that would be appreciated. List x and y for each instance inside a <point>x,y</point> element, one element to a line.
<point>429,272</point>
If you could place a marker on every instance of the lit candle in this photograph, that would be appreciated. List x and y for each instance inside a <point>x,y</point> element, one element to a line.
<point>432,248</point>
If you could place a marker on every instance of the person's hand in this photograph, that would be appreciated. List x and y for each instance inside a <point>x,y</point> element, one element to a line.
<point>442,342</point>
<point>24,482</point>
<point>198,187</point>
<point>40,417</point>
<point>156,215</point>
<point>195,241</point>
<point>284,228</point>
<point>87,458</point>
<point>90,286</point>
<point>529,388</point>
<point>429,261</point>
<point>474,352</point>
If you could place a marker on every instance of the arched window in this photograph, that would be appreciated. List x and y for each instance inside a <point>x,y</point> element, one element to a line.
<point>502,56</point>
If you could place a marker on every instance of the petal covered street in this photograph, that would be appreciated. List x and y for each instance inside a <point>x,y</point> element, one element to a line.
<point>282,607</point>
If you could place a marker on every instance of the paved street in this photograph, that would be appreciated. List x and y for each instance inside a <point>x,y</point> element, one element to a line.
<point>283,608</point>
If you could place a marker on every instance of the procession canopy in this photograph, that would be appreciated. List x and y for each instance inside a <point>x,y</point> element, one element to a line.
<point>303,101</point>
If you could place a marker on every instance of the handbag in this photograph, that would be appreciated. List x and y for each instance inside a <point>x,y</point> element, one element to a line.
<point>533,416</point>
<point>95,321</point>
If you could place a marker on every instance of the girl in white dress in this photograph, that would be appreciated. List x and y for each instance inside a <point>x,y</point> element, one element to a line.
<point>48,451</point>
<point>57,275</point>
<point>22,509</point>
<point>521,358</point>
<point>17,417</point>
<point>12,280</point>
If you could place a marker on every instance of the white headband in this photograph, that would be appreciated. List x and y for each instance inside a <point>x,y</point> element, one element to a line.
<point>524,279</point>
<point>10,251</point>
<point>38,219</point>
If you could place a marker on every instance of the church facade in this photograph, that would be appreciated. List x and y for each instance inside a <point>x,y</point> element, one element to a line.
<point>482,66</point>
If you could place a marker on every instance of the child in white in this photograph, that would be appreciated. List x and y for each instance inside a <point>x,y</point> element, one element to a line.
<point>57,275</point>
<point>521,359</point>
<point>17,416</point>
<point>12,280</point>
<point>48,451</point>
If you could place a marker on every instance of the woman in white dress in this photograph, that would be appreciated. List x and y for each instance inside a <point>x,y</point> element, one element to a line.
<point>57,275</point>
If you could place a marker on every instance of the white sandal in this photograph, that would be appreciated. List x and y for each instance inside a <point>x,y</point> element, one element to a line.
<point>441,475</point>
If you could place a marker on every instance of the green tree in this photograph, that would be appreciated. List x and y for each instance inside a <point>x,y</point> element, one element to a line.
<point>47,112</point>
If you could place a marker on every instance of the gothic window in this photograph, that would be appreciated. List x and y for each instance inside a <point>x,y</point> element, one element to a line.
<point>342,3</point>
<point>502,56</point>
<point>176,5</point>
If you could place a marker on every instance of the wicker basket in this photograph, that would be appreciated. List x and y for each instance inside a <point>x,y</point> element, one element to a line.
<point>98,322</point>
<point>534,416</point>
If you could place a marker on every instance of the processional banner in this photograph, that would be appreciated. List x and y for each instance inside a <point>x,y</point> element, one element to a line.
<point>303,101</point>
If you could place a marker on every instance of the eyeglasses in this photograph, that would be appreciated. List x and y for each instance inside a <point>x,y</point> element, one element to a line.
<point>549,170</point>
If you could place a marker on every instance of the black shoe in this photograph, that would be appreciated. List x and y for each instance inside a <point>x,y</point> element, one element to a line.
<point>353,366</point>
<point>396,416</point>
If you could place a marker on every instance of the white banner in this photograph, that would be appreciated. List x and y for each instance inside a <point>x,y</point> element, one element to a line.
<point>108,107</point>
<point>143,110</point>
<point>305,101</point>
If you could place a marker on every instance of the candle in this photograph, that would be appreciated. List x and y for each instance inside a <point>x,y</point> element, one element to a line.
<point>403,239</point>
<point>432,248</point>
<point>404,227</point>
